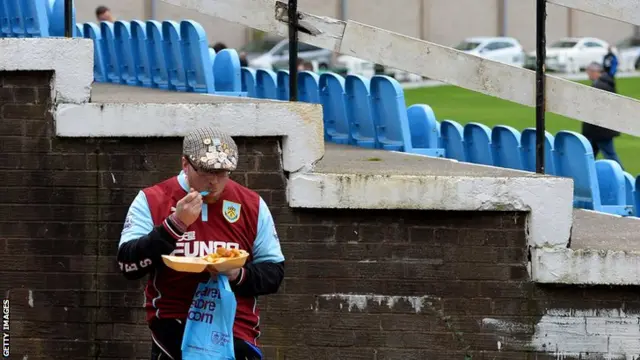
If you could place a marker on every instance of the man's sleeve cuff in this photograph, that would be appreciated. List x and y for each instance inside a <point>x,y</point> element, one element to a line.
<point>173,229</point>
<point>240,278</point>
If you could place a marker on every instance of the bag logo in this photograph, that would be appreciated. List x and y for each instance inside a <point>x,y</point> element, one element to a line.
<point>220,339</point>
<point>231,211</point>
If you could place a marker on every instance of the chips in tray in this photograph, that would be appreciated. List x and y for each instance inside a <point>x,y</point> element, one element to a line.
<point>222,254</point>
<point>222,260</point>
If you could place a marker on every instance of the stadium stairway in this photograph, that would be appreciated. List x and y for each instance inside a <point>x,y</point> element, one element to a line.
<point>357,111</point>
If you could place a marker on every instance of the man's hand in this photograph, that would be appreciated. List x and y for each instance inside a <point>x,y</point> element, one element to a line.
<point>189,207</point>
<point>231,274</point>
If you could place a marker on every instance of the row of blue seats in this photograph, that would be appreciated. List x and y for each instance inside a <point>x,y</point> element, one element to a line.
<point>165,55</point>
<point>32,18</point>
<point>371,113</point>
<point>357,111</point>
<point>349,111</point>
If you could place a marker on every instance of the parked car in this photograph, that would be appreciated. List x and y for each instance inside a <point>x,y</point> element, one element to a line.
<point>572,55</point>
<point>258,47</point>
<point>629,54</point>
<point>351,65</point>
<point>278,56</point>
<point>503,49</point>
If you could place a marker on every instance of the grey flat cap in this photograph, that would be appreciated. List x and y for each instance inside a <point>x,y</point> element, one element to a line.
<point>210,150</point>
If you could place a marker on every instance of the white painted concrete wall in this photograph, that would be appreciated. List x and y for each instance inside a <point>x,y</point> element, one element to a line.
<point>71,59</point>
<point>575,333</point>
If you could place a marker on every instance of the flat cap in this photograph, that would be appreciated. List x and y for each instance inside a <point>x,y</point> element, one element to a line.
<point>210,150</point>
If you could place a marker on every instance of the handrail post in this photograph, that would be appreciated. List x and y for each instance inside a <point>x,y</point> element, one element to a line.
<point>541,54</point>
<point>293,49</point>
<point>68,18</point>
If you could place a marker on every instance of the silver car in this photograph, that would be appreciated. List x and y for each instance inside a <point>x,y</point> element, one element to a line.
<point>277,57</point>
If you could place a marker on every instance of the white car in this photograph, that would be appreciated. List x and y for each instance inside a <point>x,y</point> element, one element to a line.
<point>571,55</point>
<point>355,66</point>
<point>629,54</point>
<point>278,56</point>
<point>502,49</point>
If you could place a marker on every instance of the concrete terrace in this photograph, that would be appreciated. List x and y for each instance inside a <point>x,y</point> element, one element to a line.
<point>114,93</point>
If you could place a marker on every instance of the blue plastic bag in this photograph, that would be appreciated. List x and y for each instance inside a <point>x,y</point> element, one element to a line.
<point>209,330</point>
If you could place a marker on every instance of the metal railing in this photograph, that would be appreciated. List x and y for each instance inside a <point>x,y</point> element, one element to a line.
<point>541,54</point>
<point>68,18</point>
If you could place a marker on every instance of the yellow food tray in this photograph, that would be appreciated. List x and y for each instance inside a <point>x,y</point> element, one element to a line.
<point>198,264</point>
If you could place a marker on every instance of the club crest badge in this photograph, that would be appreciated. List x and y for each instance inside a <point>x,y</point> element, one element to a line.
<point>231,211</point>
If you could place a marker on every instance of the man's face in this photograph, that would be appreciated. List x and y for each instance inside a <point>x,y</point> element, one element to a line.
<point>214,182</point>
<point>593,74</point>
<point>105,16</point>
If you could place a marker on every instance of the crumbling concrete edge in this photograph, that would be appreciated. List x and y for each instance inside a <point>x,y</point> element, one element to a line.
<point>585,266</point>
<point>548,200</point>
<point>299,124</point>
<point>71,60</point>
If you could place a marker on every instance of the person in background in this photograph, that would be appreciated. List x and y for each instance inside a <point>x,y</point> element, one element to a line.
<point>599,137</point>
<point>103,13</point>
<point>610,62</point>
<point>304,65</point>
<point>243,59</point>
<point>217,47</point>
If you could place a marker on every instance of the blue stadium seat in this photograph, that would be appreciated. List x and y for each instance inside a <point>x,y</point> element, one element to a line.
<point>198,68</point>
<point>629,189</point>
<point>282,80</point>
<point>5,28</point>
<point>212,55</point>
<point>452,140</point>
<point>574,159</point>
<point>34,17</point>
<point>611,181</point>
<point>477,141</point>
<point>636,196</point>
<point>249,81</point>
<point>390,116</point>
<point>358,110</point>
<point>92,31</point>
<point>528,145</point>
<point>109,53</point>
<point>423,127</point>
<point>49,7</point>
<point>157,61</point>
<point>122,36</point>
<point>386,110</point>
<point>55,13</point>
<point>227,73</point>
<point>308,89</point>
<point>266,84</point>
<point>16,21</point>
<point>332,97</point>
<point>140,52</point>
<point>505,142</point>
<point>173,55</point>
<point>79,31</point>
